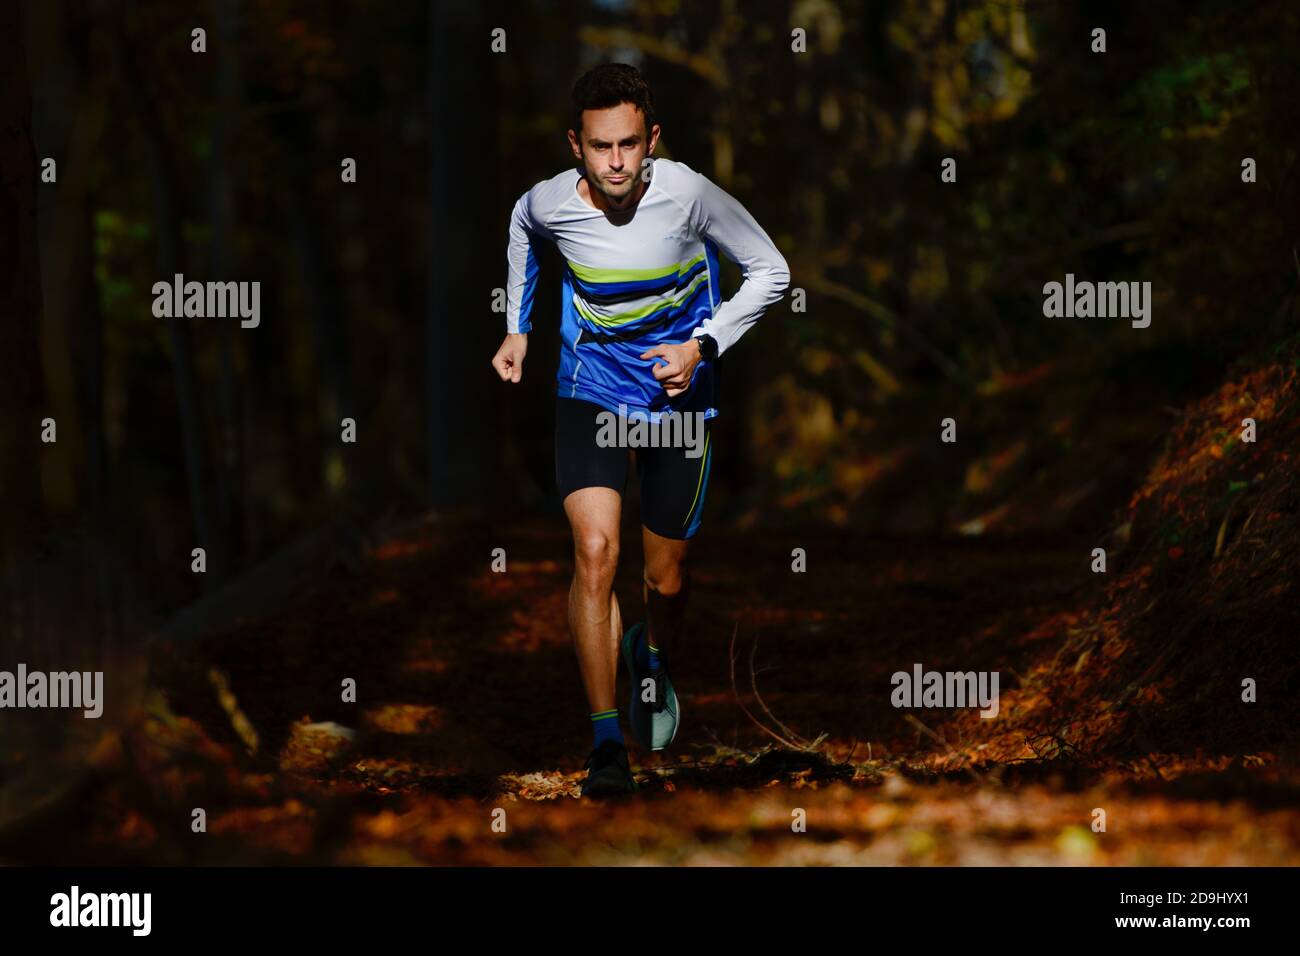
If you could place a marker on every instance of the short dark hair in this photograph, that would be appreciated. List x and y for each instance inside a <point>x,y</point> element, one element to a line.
<point>610,84</point>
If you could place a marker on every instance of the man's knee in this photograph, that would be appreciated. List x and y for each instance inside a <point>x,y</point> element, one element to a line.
<point>597,554</point>
<point>666,575</point>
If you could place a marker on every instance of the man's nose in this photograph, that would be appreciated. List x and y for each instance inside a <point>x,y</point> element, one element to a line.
<point>617,161</point>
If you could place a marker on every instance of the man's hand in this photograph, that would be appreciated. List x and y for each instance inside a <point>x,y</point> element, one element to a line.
<point>682,359</point>
<point>509,360</point>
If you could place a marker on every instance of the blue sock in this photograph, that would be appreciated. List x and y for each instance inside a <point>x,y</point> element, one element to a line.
<point>654,657</point>
<point>605,724</point>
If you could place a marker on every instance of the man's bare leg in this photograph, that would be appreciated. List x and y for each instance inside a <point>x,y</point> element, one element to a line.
<point>594,619</point>
<point>666,585</point>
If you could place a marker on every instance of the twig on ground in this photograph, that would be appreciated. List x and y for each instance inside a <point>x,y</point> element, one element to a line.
<point>978,778</point>
<point>238,719</point>
<point>757,723</point>
<point>803,744</point>
<point>727,748</point>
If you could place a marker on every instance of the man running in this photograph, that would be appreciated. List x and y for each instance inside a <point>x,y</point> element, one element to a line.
<point>642,328</point>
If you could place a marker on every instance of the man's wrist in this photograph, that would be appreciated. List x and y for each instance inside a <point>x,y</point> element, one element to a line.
<point>706,345</point>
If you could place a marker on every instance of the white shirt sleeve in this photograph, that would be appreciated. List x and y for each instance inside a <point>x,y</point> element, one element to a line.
<point>720,217</point>
<point>522,260</point>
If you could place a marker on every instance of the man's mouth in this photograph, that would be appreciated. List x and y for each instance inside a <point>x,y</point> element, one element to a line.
<point>617,179</point>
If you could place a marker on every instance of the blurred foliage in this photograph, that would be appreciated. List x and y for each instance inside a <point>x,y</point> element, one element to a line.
<point>923,298</point>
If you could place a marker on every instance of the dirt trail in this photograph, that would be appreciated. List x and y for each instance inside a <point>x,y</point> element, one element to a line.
<point>469,702</point>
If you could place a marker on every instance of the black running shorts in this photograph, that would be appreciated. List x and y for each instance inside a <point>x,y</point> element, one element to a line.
<point>673,484</point>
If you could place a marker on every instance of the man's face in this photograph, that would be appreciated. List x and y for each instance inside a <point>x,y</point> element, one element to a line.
<point>613,144</point>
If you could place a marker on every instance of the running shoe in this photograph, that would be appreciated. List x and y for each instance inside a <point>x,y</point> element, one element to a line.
<point>654,723</point>
<point>608,772</point>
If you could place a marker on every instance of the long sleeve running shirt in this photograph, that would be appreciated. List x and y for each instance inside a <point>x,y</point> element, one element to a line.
<point>648,280</point>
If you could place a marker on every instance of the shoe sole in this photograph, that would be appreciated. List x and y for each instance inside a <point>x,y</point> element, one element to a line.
<point>611,788</point>
<point>677,723</point>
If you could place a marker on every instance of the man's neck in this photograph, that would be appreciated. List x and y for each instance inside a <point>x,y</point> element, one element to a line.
<point>598,199</point>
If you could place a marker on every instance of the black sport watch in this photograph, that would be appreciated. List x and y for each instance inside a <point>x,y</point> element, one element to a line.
<point>708,346</point>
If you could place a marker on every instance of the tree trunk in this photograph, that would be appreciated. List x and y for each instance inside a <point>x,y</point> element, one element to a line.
<point>457,344</point>
<point>22,385</point>
<point>168,222</point>
<point>321,288</point>
<point>229,465</point>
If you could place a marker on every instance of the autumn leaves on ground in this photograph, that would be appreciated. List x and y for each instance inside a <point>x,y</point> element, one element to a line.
<point>1121,696</point>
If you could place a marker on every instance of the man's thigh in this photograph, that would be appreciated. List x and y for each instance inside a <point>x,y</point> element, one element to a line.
<point>590,479</point>
<point>594,515</point>
<point>673,488</point>
<point>580,462</point>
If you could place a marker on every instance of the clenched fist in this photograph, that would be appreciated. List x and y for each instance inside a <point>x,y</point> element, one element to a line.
<point>509,360</point>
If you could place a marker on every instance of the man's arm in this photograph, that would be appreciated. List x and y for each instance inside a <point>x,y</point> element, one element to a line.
<point>720,217</point>
<point>522,262</point>
<point>521,283</point>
